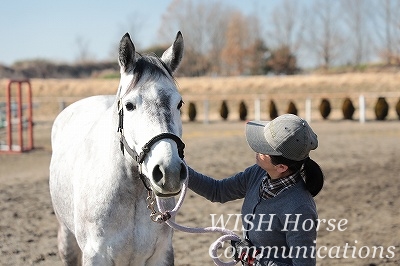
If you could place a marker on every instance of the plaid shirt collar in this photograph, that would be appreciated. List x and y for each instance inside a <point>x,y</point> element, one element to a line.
<point>272,187</point>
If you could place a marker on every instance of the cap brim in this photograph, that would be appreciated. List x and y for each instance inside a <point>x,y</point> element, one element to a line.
<point>256,139</point>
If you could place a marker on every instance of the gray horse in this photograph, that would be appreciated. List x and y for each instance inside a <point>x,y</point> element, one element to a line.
<point>109,154</point>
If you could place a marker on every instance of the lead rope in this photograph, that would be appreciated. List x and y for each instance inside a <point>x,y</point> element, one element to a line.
<point>164,216</point>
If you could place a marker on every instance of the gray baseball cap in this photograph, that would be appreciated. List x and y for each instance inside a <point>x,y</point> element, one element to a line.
<point>287,135</point>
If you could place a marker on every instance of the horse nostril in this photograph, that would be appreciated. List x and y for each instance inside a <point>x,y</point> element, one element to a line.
<point>183,173</point>
<point>157,174</point>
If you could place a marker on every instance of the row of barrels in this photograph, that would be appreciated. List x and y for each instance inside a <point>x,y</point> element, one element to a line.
<point>381,109</point>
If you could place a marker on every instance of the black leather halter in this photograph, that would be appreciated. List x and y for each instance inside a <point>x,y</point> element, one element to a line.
<point>139,158</point>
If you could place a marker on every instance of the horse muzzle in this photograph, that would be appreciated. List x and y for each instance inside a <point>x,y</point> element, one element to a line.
<point>167,181</point>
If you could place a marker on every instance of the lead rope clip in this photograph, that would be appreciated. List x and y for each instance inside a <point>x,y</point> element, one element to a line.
<point>155,216</point>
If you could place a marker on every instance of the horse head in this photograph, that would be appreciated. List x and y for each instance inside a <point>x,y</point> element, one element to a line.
<point>149,115</point>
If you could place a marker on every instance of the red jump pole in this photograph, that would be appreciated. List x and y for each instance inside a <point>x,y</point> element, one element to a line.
<point>19,102</point>
<point>30,117</point>
<point>8,115</point>
<point>19,115</point>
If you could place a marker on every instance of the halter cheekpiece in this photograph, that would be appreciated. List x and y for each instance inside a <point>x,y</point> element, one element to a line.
<point>139,158</point>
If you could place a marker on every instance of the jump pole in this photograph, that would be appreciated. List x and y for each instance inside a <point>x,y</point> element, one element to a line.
<point>257,109</point>
<point>361,100</point>
<point>10,147</point>
<point>308,110</point>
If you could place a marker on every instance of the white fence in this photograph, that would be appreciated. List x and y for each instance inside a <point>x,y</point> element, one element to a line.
<point>207,106</point>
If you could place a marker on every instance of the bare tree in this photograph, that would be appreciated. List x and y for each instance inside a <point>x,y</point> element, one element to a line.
<point>135,22</point>
<point>324,32</point>
<point>356,17</point>
<point>388,30</point>
<point>218,18</point>
<point>286,29</point>
<point>238,42</point>
<point>133,25</point>
<point>190,19</point>
<point>287,25</point>
<point>257,53</point>
<point>83,53</point>
<point>185,16</point>
<point>203,25</point>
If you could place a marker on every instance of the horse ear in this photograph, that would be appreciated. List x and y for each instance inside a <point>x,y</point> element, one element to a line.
<point>126,55</point>
<point>173,55</point>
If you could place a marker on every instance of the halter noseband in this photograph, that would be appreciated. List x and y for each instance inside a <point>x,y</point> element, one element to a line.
<point>139,158</point>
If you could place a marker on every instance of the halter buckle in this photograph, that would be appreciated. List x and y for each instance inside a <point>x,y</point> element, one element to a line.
<point>120,117</point>
<point>155,216</point>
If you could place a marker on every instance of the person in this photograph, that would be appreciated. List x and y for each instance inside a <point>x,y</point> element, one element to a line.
<point>279,215</point>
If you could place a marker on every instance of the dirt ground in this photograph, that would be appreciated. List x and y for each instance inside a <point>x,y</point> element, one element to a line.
<point>360,161</point>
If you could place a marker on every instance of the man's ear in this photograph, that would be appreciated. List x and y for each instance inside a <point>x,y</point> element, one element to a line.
<point>281,168</point>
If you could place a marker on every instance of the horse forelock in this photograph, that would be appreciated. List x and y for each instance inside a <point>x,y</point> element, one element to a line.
<point>149,67</point>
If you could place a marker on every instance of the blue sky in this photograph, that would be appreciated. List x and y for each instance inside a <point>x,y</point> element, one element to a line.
<point>49,29</point>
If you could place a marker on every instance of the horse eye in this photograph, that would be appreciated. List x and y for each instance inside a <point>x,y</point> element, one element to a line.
<point>180,104</point>
<point>130,106</point>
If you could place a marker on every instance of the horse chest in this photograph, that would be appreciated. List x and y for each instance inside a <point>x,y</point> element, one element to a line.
<point>123,229</point>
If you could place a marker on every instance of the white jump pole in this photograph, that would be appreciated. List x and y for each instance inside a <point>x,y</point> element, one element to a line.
<point>361,100</point>
<point>206,106</point>
<point>257,109</point>
<point>308,109</point>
